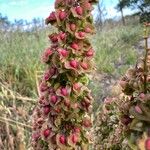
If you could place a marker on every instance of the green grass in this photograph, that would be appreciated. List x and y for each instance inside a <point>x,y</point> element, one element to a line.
<point>20,58</point>
<point>20,54</point>
<point>114,48</point>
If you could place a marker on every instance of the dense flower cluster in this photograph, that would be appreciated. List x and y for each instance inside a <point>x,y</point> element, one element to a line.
<point>61,119</point>
<point>136,86</point>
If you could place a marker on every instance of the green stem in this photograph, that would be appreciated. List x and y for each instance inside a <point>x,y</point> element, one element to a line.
<point>145,60</point>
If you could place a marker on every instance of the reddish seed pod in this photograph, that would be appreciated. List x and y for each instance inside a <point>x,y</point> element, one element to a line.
<point>74,138</point>
<point>142,96</point>
<point>74,63</point>
<point>58,110</point>
<point>64,92</point>
<point>147,144</point>
<point>76,86</point>
<point>88,30</point>
<point>77,130</point>
<point>52,71</point>
<point>53,99</point>
<point>138,109</point>
<point>88,5</point>
<point>84,65</point>
<point>48,52</point>
<point>79,10</point>
<point>81,34</point>
<point>75,46</point>
<point>75,106</point>
<point>89,53</point>
<point>52,16</point>
<point>62,139</point>
<point>72,27</point>
<point>63,52</point>
<point>62,36</point>
<point>53,38</point>
<point>67,102</point>
<point>47,110</point>
<point>47,76</point>
<point>46,132</point>
<point>43,87</point>
<point>87,123</point>
<point>40,120</point>
<point>62,15</point>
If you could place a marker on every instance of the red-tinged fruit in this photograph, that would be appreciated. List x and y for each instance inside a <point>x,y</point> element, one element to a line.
<point>62,15</point>
<point>48,52</point>
<point>84,65</point>
<point>142,96</point>
<point>75,46</point>
<point>47,110</point>
<point>72,27</point>
<point>52,17</point>
<point>63,52</point>
<point>62,139</point>
<point>76,86</point>
<point>138,109</point>
<point>90,53</point>
<point>62,36</point>
<point>81,34</point>
<point>53,99</point>
<point>40,121</point>
<point>46,132</point>
<point>87,123</point>
<point>43,87</point>
<point>64,91</point>
<point>75,105</point>
<point>47,76</point>
<point>77,130</point>
<point>58,110</point>
<point>147,144</point>
<point>74,64</point>
<point>52,71</point>
<point>36,136</point>
<point>74,138</point>
<point>67,102</point>
<point>88,5</point>
<point>79,10</point>
<point>53,38</point>
<point>88,30</point>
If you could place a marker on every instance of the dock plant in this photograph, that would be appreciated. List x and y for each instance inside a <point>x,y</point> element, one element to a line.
<point>123,122</point>
<point>62,117</point>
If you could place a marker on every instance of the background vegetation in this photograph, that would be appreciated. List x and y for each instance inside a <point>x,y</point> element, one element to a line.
<point>116,46</point>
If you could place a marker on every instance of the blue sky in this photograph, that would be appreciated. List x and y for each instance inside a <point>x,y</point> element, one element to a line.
<point>28,9</point>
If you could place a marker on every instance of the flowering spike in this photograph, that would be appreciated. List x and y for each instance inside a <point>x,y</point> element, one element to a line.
<point>62,118</point>
<point>130,110</point>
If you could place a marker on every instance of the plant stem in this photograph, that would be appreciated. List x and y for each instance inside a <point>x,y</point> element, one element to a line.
<point>145,60</point>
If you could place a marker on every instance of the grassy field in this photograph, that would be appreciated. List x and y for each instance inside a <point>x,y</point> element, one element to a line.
<point>20,54</point>
<point>20,60</point>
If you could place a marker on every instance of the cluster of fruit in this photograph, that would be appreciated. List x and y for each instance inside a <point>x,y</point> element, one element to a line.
<point>62,120</point>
